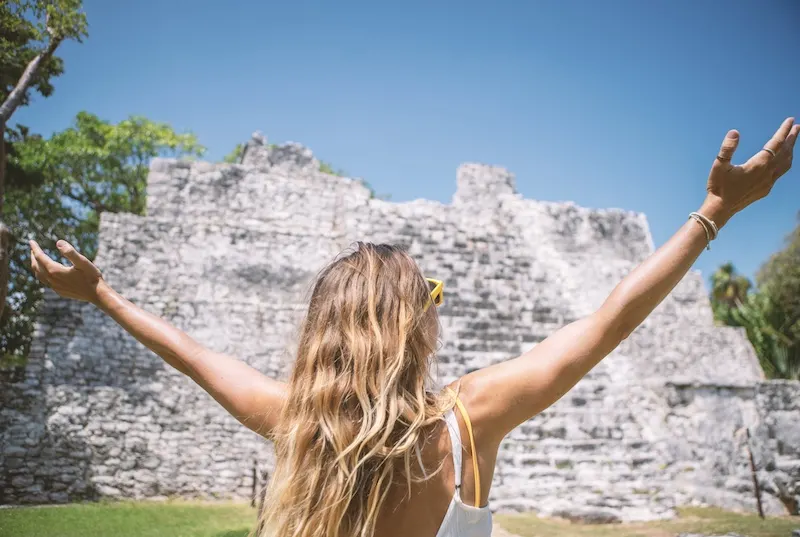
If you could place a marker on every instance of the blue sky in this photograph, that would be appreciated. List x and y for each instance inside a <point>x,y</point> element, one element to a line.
<point>608,104</point>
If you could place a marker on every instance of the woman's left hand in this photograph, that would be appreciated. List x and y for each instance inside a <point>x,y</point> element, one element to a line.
<point>79,282</point>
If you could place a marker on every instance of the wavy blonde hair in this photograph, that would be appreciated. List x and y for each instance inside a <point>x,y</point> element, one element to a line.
<point>357,406</point>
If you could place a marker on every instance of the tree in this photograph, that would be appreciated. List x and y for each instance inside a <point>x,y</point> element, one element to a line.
<point>781,275</point>
<point>74,176</point>
<point>728,287</point>
<point>764,322</point>
<point>32,30</point>
<point>762,316</point>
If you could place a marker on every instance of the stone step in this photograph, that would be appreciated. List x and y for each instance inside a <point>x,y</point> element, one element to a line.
<point>608,474</point>
<point>566,461</point>
<point>601,495</point>
<point>788,464</point>
<point>569,446</point>
<point>572,409</point>
<point>575,425</point>
<point>581,473</point>
<point>537,495</point>
<point>634,492</point>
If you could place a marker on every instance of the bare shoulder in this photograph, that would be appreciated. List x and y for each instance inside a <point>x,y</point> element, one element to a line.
<point>476,397</point>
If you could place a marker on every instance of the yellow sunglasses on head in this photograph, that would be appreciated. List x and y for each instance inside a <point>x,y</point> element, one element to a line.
<point>437,293</point>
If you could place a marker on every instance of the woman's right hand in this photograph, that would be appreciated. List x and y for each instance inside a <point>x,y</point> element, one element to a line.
<point>731,187</point>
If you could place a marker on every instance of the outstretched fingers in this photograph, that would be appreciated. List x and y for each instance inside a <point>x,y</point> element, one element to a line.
<point>770,153</point>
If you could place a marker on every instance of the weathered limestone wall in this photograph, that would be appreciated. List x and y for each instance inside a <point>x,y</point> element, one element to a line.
<point>227,253</point>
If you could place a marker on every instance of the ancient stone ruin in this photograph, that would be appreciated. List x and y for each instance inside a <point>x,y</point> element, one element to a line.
<point>226,252</point>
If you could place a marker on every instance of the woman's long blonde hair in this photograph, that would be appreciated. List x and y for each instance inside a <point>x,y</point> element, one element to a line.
<point>358,406</point>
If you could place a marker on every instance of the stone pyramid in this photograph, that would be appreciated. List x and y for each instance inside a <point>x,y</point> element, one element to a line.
<point>227,253</point>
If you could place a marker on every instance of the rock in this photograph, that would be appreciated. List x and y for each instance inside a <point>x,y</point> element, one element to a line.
<point>105,490</point>
<point>497,531</point>
<point>293,155</point>
<point>22,481</point>
<point>151,463</point>
<point>588,515</point>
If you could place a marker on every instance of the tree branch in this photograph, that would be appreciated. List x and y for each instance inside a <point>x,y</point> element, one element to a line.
<point>89,200</point>
<point>26,80</point>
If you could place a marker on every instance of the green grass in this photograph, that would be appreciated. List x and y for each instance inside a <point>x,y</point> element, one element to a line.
<point>694,520</point>
<point>128,519</point>
<point>196,519</point>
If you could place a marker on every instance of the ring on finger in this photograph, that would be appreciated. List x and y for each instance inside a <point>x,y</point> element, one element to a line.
<point>723,159</point>
<point>768,150</point>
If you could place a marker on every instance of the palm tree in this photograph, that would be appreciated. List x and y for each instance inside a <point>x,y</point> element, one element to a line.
<point>734,304</point>
<point>728,287</point>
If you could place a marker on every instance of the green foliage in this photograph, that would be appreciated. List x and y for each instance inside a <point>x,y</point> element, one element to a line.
<point>763,321</point>
<point>324,167</point>
<point>727,287</point>
<point>62,186</point>
<point>25,34</point>
<point>768,325</point>
<point>234,156</point>
<point>31,30</point>
<point>781,274</point>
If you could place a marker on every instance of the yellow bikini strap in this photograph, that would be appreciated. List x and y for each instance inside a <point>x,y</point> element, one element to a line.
<point>476,473</point>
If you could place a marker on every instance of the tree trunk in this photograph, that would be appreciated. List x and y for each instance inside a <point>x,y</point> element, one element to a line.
<point>28,76</point>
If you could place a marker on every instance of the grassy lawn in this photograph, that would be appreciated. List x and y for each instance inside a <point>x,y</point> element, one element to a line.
<point>693,520</point>
<point>195,519</point>
<point>128,519</point>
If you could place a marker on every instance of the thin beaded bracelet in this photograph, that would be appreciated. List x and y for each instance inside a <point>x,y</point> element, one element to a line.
<point>711,224</point>
<point>708,225</point>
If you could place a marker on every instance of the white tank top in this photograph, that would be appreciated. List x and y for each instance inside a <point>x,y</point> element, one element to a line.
<point>462,520</point>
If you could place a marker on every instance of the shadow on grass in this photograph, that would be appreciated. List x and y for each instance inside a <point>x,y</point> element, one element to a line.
<point>233,533</point>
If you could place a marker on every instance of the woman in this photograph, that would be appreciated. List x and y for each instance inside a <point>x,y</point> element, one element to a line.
<point>362,447</point>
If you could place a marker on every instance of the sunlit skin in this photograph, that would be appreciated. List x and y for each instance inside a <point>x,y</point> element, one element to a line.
<point>499,397</point>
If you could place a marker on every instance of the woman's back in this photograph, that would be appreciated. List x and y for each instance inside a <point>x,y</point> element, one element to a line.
<point>445,504</point>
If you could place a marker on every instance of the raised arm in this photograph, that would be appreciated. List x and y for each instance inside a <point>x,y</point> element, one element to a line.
<point>504,395</point>
<point>251,397</point>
